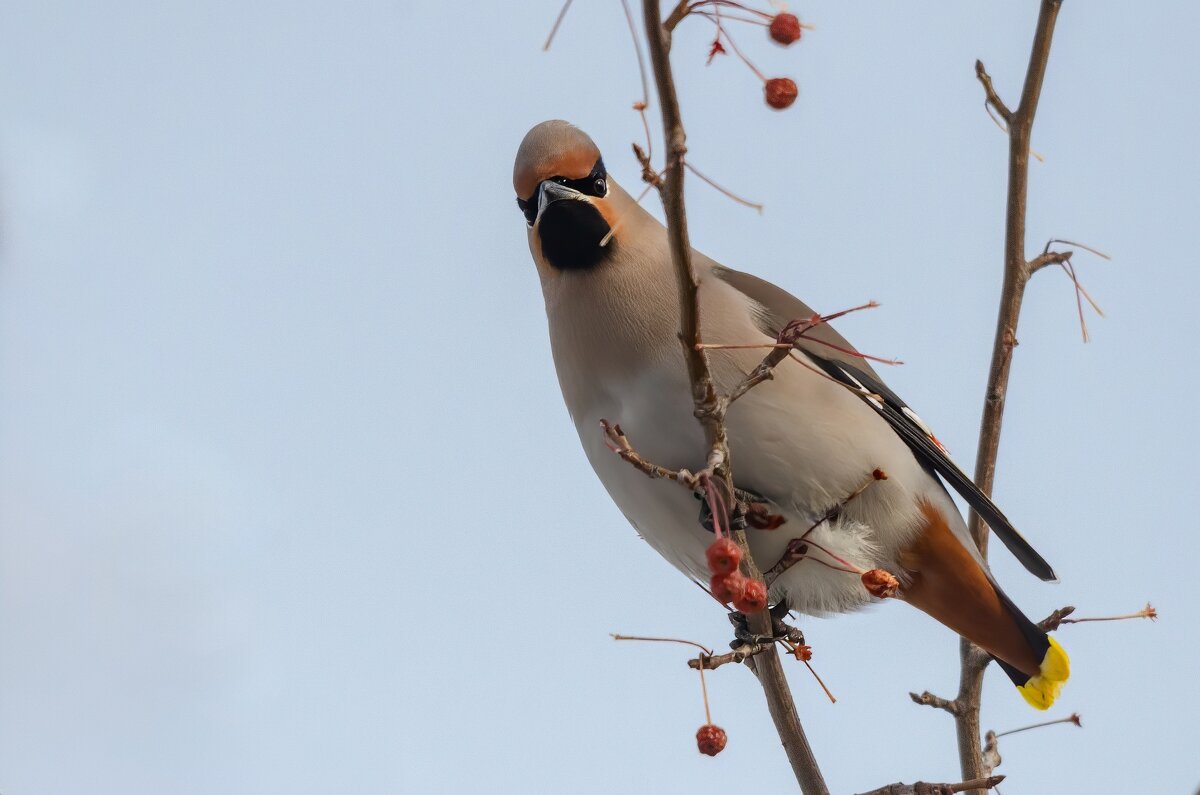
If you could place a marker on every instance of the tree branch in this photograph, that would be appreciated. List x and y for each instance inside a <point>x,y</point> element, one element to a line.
<point>676,16</point>
<point>708,406</point>
<point>1055,619</point>
<point>1049,258</point>
<point>923,788</point>
<point>928,699</point>
<point>1017,271</point>
<point>738,655</point>
<point>992,98</point>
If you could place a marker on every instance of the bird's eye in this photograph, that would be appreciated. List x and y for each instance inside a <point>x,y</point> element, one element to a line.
<point>600,187</point>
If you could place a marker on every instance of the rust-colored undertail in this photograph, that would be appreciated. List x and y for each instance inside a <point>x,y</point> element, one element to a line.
<point>950,585</point>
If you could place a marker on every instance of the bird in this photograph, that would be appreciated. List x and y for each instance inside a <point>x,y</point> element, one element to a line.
<point>801,441</point>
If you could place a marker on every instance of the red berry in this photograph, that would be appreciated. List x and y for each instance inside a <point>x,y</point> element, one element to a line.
<point>724,556</point>
<point>880,584</point>
<point>711,739</point>
<point>785,28</point>
<point>728,587</point>
<point>754,598</point>
<point>781,92</point>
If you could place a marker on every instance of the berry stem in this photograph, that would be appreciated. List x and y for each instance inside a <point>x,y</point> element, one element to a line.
<point>1149,611</point>
<point>728,4</point>
<point>1072,718</point>
<point>728,193</point>
<point>704,692</point>
<point>747,20</point>
<point>722,32</point>
<point>557,22</point>
<point>850,567</point>
<point>704,649</point>
<point>832,700</point>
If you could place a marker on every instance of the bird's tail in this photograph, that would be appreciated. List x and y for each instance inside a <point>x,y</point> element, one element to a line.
<point>1054,667</point>
<point>949,584</point>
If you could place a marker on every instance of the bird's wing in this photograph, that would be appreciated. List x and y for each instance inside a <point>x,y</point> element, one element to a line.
<point>782,307</point>
<point>857,375</point>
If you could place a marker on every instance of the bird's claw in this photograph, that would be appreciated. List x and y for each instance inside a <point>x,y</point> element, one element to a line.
<point>780,630</point>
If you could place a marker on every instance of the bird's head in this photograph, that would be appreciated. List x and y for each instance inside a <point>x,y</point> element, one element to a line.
<point>566,196</point>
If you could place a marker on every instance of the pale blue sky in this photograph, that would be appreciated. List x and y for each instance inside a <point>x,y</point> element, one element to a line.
<point>288,498</point>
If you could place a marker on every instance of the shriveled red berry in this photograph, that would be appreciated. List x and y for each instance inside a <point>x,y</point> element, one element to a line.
<point>724,556</point>
<point>711,739</point>
<point>781,92</point>
<point>785,28</point>
<point>754,598</point>
<point>880,584</point>
<point>728,587</point>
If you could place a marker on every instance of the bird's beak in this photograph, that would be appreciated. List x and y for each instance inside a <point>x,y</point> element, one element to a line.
<point>550,192</point>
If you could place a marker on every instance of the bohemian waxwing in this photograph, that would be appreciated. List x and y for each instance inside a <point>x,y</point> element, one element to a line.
<point>802,441</point>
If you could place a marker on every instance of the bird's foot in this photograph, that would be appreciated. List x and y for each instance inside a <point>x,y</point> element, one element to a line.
<point>748,510</point>
<point>780,630</point>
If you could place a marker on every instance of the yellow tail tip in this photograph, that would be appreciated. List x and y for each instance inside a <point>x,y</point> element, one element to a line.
<point>1041,690</point>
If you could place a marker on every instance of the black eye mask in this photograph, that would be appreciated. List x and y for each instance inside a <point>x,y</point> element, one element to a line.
<point>594,184</point>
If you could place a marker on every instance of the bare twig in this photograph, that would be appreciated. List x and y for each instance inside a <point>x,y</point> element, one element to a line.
<point>680,11</point>
<point>726,191</point>
<point>992,98</point>
<point>1073,244</point>
<point>618,442</point>
<point>702,648</point>
<point>708,406</point>
<point>797,548</point>
<point>738,655</point>
<point>785,342</point>
<point>557,22</point>
<point>1072,718</point>
<point>937,702</point>
<point>1149,611</point>
<point>991,753</point>
<point>1063,260</point>
<point>923,788</point>
<point>1048,258</point>
<point>991,741</point>
<point>704,693</point>
<point>1052,621</point>
<point>1016,276</point>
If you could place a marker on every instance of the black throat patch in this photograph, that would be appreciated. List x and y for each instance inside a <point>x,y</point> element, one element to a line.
<point>570,232</point>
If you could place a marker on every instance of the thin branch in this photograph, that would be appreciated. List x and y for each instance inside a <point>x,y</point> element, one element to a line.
<point>618,442</point>
<point>558,21</point>
<point>1048,258</point>
<point>708,408</point>
<point>785,342</point>
<point>1149,611</point>
<point>704,694</point>
<point>937,702</point>
<point>641,61</point>
<point>797,548</point>
<point>923,788</point>
<point>1052,621</point>
<point>991,753</point>
<point>1016,277</point>
<point>738,655</point>
<point>702,648</point>
<point>680,11</point>
<point>723,190</point>
<point>716,20</point>
<point>1072,718</point>
<point>1073,244</point>
<point>992,99</point>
